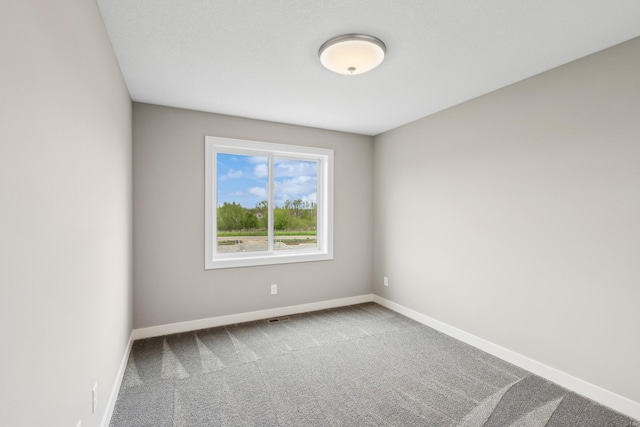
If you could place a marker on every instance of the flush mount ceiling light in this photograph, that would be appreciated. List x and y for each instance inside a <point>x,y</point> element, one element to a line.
<point>352,54</point>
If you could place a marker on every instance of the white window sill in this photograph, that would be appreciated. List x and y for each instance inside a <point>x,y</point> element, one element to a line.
<point>271,259</point>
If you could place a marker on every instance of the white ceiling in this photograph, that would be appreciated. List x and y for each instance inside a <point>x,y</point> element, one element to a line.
<point>259,58</point>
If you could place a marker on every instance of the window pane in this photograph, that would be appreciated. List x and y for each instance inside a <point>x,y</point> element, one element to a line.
<point>241,198</point>
<point>295,210</point>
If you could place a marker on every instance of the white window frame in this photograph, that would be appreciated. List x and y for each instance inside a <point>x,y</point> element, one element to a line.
<point>324,202</point>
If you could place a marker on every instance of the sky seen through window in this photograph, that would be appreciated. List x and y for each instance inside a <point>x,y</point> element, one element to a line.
<point>244,179</point>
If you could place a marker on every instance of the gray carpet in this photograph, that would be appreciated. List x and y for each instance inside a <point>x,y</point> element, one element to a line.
<point>362,365</point>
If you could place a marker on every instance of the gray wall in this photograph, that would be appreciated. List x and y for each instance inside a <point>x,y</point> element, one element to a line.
<point>171,284</point>
<point>65,213</point>
<point>516,217</point>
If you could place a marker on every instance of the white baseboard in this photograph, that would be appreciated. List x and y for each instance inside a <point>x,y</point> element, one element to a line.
<point>111,404</point>
<point>212,322</point>
<point>591,391</point>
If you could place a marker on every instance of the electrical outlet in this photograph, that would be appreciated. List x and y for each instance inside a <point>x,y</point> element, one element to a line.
<point>274,289</point>
<point>94,398</point>
<point>386,281</point>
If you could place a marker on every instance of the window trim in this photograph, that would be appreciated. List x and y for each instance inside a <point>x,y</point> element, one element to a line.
<point>324,202</point>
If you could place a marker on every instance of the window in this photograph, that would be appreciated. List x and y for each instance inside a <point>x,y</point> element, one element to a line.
<point>267,203</point>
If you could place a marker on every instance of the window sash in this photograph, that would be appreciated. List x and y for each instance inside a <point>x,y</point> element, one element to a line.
<point>324,203</point>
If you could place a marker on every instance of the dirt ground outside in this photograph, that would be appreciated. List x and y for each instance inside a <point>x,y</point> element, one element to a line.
<point>259,243</point>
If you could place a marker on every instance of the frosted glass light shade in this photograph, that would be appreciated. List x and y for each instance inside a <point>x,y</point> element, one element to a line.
<point>352,54</point>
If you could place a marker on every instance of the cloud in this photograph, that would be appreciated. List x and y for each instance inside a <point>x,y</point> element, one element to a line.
<point>311,198</point>
<point>261,170</point>
<point>296,186</point>
<point>295,168</point>
<point>259,191</point>
<point>232,174</point>
<point>257,160</point>
<point>301,187</point>
<point>284,168</point>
